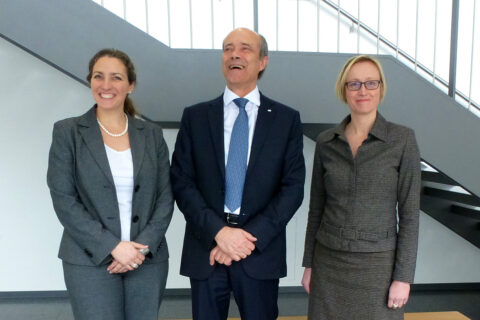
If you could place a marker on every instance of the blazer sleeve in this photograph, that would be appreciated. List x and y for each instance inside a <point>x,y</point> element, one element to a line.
<point>87,231</point>
<point>203,220</point>
<point>317,202</point>
<point>154,231</point>
<point>267,224</point>
<point>408,210</point>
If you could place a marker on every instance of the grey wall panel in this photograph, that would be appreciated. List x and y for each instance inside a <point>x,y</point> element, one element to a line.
<point>67,33</point>
<point>33,95</point>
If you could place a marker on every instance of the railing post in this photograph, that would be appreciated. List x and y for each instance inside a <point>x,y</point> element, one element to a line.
<point>453,49</point>
<point>255,16</point>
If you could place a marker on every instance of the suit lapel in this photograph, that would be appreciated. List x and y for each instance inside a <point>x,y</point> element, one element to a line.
<point>215,118</point>
<point>137,143</point>
<point>90,132</point>
<point>265,117</point>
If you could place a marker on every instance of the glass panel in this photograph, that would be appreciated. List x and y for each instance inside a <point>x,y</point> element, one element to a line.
<point>267,21</point>
<point>222,15</point>
<point>328,28</point>
<point>307,26</point>
<point>136,14</point>
<point>368,43</point>
<point>287,25</point>
<point>244,14</point>
<point>388,20</point>
<point>115,6</point>
<point>158,20</point>
<point>369,13</point>
<point>465,28</point>
<point>444,18</point>
<point>180,23</point>
<point>407,30</point>
<point>475,95</point>
<point>426,32</point>
<point>202,24</point>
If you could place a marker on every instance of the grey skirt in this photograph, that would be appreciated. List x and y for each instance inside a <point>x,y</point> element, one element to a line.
<point>351,285</point>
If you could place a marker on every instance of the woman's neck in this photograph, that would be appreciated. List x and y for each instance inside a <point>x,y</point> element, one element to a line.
<point>362,124</point>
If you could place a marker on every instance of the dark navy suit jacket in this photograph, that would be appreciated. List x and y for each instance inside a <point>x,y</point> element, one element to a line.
<point>272,193</point>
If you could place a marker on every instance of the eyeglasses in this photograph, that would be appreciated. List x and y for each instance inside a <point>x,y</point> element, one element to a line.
<point>357,85</point>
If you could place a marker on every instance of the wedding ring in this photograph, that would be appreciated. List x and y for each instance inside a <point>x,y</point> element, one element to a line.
<point>395,306</point>
<point>144,251</point>
<point>134,266</point>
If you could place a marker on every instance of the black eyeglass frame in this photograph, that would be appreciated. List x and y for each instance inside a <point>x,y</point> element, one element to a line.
<point>358,85</point>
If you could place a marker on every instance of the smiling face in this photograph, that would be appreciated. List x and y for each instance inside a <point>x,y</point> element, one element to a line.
<point>363,101</point>
<point>241,61</point>
<point>109,83</point>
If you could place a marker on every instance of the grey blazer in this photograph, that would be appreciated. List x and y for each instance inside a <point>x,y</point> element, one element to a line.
<point>84,196</point>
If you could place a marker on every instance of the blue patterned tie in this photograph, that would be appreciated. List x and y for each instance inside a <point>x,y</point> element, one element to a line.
<point>236,168</point>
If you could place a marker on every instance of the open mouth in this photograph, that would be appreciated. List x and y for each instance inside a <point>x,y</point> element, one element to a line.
<point>106,95</point>
<point>236,66</point>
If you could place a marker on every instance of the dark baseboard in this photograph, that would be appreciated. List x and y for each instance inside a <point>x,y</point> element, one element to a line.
<point>185,292</point>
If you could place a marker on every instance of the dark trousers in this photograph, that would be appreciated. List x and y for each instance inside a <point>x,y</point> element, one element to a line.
<point>256,299</point>
<point>97,295</point>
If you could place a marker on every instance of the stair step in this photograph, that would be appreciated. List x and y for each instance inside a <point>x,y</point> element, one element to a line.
<point>466,211</point>
<point>438,178</point>
<point>452,196</point>
<point>440,209</point>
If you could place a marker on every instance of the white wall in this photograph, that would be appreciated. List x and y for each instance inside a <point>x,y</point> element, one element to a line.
<point>33,95</point>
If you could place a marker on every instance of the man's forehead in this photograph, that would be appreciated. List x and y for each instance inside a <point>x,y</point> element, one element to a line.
<point>246,37</point>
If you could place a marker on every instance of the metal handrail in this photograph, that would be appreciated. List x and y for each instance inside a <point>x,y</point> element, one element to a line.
<point>399,51</point>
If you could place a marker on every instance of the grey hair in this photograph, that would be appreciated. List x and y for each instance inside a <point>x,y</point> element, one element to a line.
<point>263,52</point>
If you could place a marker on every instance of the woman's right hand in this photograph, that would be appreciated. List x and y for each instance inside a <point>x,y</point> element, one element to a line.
<point>307,276</point>
<point>127,253</point>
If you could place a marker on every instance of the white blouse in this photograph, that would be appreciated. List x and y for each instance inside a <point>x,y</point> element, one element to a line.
<point>121,165</point>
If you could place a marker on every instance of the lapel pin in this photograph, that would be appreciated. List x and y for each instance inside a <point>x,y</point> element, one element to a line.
<point>269,110</point>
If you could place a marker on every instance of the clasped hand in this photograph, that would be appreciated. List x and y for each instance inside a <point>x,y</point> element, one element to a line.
<point>125,255</point>
<point>233,244</point>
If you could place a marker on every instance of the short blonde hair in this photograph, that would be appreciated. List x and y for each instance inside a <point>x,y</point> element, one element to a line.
<point>340,88</point>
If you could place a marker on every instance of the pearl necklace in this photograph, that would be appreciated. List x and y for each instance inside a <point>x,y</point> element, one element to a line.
<point>115,135</point>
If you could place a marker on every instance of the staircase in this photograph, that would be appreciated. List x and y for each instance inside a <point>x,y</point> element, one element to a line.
<point>449,203</point>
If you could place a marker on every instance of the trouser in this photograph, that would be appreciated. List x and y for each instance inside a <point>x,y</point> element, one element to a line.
<point>256,299</point>
<point>95,294</point>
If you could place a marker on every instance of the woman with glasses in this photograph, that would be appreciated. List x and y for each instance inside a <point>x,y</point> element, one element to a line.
<point>361,240</point>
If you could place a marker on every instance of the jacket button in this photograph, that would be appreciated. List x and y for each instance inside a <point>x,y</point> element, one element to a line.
<point>135,219</point>
<point>137,187</point>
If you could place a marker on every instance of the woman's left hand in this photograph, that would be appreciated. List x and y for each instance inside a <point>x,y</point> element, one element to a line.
<point>398,294</point>
<point>117,267</point>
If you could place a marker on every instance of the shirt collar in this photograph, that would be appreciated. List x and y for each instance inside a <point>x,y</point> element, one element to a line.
<point>253,96</point>
<point>379,128</point>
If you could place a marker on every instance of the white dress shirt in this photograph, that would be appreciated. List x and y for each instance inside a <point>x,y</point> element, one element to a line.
<point>230,113</point>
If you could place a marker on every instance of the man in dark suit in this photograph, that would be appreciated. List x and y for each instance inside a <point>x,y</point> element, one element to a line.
<point>238,175</point>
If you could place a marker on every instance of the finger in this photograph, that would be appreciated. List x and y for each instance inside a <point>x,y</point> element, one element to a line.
<point>138,245</point>
<point>249,245</point>
<point>116,269</point>
<point>235,257</point>
<point>228,262</point>
<point>249,236</point>
<point>212,258</point>
<point>111,266</point>
<point>390,303</point>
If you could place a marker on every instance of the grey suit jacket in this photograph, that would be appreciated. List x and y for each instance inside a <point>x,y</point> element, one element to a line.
<point>353,201</point>
<point>84,196</point>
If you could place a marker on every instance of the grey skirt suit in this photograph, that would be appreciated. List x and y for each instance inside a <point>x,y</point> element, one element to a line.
<point>354,243</point>
<point>85,201</point>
